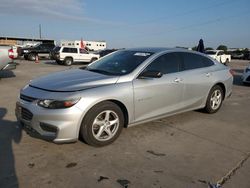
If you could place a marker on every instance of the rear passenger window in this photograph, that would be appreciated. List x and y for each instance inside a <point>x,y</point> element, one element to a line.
<point>195,61</point>
<point>69,50</point>
<point>168,63</point>
<point>83,51</point>
<point>73,50</point>
<point>220,53</point>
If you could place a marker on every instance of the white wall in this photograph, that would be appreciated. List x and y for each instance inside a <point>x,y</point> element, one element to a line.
<point>92,45</point>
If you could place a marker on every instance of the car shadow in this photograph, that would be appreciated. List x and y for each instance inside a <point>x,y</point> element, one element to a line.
<point>50,62</point>
<point>10,131</point>
<point>7,74</point>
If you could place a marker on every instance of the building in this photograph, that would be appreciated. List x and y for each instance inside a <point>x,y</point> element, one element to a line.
<point>91,45</point>
<point>19,41</point>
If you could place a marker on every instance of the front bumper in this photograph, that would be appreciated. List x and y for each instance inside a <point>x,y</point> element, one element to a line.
<point>57,125</point>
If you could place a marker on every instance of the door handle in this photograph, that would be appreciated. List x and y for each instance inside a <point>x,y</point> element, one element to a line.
<point>208,74</point>
<point>177,80</point>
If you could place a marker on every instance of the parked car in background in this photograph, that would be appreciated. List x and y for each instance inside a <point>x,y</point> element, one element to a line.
<point>6,58</point>
<point>246,75</point>
<point>219,55</point>
<point>102,53</point>
<point>68,55</point>
<point>246,55</point>
<point>125,88</point>
<point>40,50</point>
<point>237,55</point>
<point>15,51</point>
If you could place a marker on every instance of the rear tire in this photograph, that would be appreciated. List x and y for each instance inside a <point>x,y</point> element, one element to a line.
<point>93,59</point>
<point>68,61</point>
<point>102,124</point>
<point>214,99</point>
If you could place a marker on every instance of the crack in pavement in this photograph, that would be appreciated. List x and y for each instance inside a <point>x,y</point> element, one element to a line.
<point>228,176</point>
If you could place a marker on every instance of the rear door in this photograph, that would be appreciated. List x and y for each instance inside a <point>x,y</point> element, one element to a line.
<point>197,74</point>
<point>158,96</point>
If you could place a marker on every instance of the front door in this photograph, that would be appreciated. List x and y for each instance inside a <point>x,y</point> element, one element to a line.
<point>159,96</point>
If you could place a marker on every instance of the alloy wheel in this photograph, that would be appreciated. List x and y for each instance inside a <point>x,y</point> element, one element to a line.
<point>216,99</point>
<point>105,125</point>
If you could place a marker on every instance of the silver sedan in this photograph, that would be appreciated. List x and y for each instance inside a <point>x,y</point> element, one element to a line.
<point>125,88</point>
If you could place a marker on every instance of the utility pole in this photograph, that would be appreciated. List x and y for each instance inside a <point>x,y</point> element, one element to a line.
<point>40,31</point>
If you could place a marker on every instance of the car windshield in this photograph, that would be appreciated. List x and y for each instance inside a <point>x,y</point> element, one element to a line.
<point>57,49</point>
<point>38,44</point>
<point>210,52</point>
<point>119,63</point>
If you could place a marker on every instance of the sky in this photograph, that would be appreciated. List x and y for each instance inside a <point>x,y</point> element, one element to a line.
<point>131,23</point>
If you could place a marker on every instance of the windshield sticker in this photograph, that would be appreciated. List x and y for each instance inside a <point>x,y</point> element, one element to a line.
<point>141,54</point>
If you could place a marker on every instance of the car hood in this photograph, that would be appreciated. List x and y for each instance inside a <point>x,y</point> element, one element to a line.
<point>28,48</point>
<point>72,80</point>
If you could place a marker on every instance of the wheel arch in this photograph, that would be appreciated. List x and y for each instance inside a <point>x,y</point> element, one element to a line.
<point>93,59</point>
<point>69,57</point>
<point>119,104</point>
<point>223,87</point>
<point>124,110</point>
<point>116,102</point>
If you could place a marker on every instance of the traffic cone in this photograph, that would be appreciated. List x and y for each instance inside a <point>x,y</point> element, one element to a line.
<point>37,60</point>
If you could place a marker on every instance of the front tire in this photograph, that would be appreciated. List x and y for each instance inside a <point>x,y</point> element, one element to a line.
<point>227,61</point>
<point>25,57</point>
<point>102,124</point>
<point>214,99</point>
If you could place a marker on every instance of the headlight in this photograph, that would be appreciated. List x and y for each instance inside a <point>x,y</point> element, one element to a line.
<point>54,104</point>
<point>25,51</point>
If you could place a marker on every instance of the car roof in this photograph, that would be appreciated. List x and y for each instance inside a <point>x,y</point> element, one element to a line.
<point>148,49</point>
<point>157,49</point>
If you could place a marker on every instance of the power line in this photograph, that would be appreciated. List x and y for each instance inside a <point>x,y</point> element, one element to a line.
<point>208,22</point>
<point>201,9</point>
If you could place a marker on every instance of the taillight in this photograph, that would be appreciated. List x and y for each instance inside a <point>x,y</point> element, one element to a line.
<point>11,54</point>
<point>231,72</point>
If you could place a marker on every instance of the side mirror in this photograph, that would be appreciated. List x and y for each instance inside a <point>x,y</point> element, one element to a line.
<point>150,74</point>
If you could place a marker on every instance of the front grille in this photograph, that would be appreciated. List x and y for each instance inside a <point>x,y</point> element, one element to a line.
<point>248,79</point>
<point>26,114</point>
<point>27,98</point>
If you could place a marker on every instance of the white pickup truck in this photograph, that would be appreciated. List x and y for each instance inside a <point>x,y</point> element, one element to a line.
<point>68,55</point>
<point>219,55</point>
<point>6,58</point>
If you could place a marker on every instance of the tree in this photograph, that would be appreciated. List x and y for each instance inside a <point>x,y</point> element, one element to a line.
<point>194,48</point>
<point>222,47</point>
<point>208,48</point>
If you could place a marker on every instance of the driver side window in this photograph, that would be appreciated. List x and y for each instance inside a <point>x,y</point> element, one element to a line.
<point>83,51</point>
<point>167,63</point>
